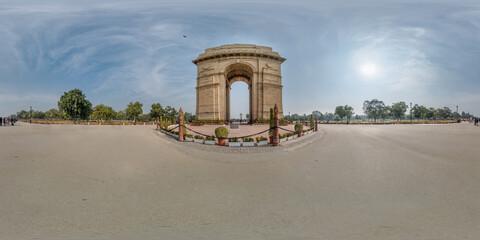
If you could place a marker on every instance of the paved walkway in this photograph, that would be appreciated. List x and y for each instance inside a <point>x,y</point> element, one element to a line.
<point>344,182</point>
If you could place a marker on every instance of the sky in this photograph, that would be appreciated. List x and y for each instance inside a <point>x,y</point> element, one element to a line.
<point>338,52</point>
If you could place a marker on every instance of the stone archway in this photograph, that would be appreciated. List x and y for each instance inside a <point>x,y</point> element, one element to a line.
<point>219,67</point>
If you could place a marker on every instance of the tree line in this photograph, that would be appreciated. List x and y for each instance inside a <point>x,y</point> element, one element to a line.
<point>73,105</point>
<point>376,109</point>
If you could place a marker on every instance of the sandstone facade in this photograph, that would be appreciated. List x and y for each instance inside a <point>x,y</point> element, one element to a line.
<point>219,67</point>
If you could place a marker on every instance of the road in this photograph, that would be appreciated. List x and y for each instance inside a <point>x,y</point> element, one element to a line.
<point>343,182</point>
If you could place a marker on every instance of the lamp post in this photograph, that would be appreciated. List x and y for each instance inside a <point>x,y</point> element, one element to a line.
<point>411,119</point>
<point>241,118</point>
<point>30,114</point>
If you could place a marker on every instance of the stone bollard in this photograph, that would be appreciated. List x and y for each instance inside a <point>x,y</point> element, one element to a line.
<point>276,139</point>
<point>180,124</point>
<point>316,125</point>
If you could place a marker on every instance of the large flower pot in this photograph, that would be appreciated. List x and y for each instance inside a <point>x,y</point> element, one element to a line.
<point>222,141</point>
<point>300,134</point>
<point>270,140</point>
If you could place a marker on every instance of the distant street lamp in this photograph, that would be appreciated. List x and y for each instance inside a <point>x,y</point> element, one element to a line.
<point>30,114</point>
<point>241,117</point>
<point>411,119</point>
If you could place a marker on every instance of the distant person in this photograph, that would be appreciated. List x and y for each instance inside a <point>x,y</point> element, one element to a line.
<point>1,120</point>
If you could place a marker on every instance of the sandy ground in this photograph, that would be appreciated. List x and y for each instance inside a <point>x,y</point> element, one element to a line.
<point>345,182</point>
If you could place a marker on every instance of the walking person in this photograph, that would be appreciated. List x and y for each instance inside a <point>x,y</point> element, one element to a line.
<point>1,119</point>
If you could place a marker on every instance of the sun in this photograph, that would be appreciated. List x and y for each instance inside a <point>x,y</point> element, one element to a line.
<point>368,69</point>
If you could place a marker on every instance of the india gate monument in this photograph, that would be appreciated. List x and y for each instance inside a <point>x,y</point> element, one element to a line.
<point>219,67</point>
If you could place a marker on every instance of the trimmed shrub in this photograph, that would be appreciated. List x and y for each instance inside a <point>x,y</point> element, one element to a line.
<point>298,127</point>
<point>221,132</point>
<point>248,139</point>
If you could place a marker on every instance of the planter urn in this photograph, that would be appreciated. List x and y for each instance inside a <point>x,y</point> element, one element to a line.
<point>221,141</point>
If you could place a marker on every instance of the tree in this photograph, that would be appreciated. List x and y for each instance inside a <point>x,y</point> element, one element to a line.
<point>156,110</point>
<point>374,108</point>
<point>74,105</point>
<point>340,111</point>
<point>171,114</point>
<point>444,112</point>
<point>121,115</point>
<point>312,123</point>
<point>317,115</point>
<point>348,112</point>
<point>430,112</point>
<point>188,117</point>
<point>399,109</point>
<point>53,114</point>
<point>133,110</point>
<point>419,111</point>
<point>38,115</point>
<point>23,114</point>
<point>329,116</point>
<point>102,112</point>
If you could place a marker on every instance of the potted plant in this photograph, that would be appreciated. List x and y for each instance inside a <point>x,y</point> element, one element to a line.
<point>261,141</point>
<point>233,142</point>
<point>210,140</point>
<point>221,133</point>
<point>248,142</point>
<point>198,139</point>
<point>299,129</point>
<point>189,137</point>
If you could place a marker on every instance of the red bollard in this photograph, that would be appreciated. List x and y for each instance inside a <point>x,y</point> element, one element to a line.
<point>180,124</point>
<point>276,138</point>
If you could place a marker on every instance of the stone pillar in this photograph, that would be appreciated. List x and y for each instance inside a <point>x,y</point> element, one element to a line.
<point>180,124</point>
<point>276,139</point>
<point>158,124</point>
<point>316,124</point>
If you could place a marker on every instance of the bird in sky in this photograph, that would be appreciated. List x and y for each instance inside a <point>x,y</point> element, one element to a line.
<point>184,36</point>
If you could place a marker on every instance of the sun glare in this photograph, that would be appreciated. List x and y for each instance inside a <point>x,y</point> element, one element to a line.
<point>368,69</point>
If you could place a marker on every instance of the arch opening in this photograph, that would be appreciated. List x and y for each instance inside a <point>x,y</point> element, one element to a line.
<point>235,73</point>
